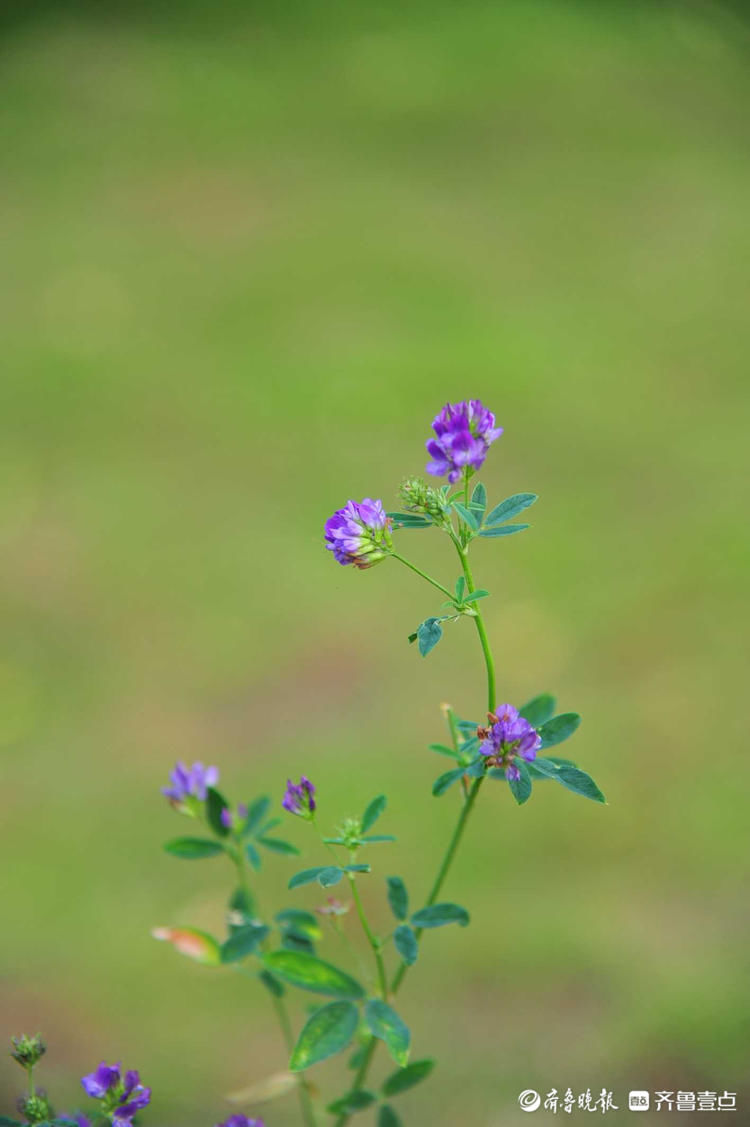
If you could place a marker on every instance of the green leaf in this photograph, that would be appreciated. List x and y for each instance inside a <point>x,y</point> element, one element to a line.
<point>372,839</point>
<point>215,804</point>
<point>253,856</point>
<point>479,499</point>
<point>326,875</point>
<point>326,1033</point>
<point>398,898</point>
<point>244,941</point>
<point>356,868</point>
<point>409,520</point>
<point>272,984</point>
<point>559,728</point>
<point>467,516</point>
<point>476,595</point>
<point>310,973</point>
<point>406,944</point>
<point>441,749</point>
<point>193,848</point>
<point>406,1078</point>
<point>504,530</point>
<point>256,812</point>
<point>387,1117</point>
<point>296,919</point>
<point>521,788</point>
<point>384,1023</point>
<point>460,588</point>
<point>351,1102</point>
<point>373,812</point>
<point>277,846</point>
<point>545,767</point>
<point>538,709</point>
<point>242,904</point>
<point>579,782</point>
<point>5,1122</point>
<point>510,508</point>
<point>437,915</point>
<point>429,634</point>
<point>441,784</point>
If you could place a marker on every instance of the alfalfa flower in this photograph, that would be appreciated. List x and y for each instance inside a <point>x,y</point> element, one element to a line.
<point>508,735</point>
<point>120,1097</point>
<point>190,782</point>
<point>463,434</point>
<point>299,798</point>
<point>360,533</point>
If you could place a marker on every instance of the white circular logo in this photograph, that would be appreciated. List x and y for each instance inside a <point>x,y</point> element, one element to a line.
<point>529,1100</point>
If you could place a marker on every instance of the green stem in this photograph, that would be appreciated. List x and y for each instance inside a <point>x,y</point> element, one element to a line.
<point>371,939</point>
<point>463,818</point>
<point>423,574</point>
<point>303,1090</point>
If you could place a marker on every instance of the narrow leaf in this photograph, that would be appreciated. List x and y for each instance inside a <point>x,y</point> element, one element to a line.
<point>406,944</point>
<point>215,805</point>
<point>244,941</point>
<point>441,749</point>
<point>384,1023</point>
<point>353,1101</point>
<point>310,973</point>
<point>503,530</point>
<point>272,984</point>
<point>510,508</point>
<point>460,588</point>
<point>441,784</point>
<point>256,812</point>
<point>277,846</point>
<point>327,875</point>
<point>521,788</point>
<point>479,499</point>
<point>373,812</point>
<point>327,1032</point>
<point>387,1117</point>
<point>559,728</point>
<point>467,516</point>
<point>253,856</point>
<point>538,710</point>
<point>476,595</point>
<point>371,839</point>
<point>193,848</point>
<point>398,898</point>
<point>437,915</point>
<point>406,1078</point>
<point>579,782</point>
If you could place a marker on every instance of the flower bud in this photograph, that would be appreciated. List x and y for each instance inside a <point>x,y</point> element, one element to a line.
<point>28,1050</point>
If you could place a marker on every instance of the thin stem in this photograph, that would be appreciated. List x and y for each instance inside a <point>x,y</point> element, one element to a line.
<point>463,818</point>
<point>413,567</point>
<point>371,939</point>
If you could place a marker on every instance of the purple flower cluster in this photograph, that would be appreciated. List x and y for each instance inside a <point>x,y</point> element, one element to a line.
<point>359,534</point>
<point>121,1098</point>
<point>241,1121</point>
<point>463,433</point>
<point>299,798</point>
<point>190,782</point>
<point>230,820</point>
<point>507,736</point>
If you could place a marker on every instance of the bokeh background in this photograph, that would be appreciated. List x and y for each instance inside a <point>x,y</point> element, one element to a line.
<point>247,254</point>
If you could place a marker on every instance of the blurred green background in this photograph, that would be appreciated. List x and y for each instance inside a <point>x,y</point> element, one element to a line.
<point>247,255</point>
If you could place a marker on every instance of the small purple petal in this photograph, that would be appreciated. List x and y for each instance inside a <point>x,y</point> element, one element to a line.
<point>98,1084</point>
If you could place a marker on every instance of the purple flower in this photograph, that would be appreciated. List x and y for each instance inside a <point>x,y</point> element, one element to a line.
<point>507,736</point>
<point>359,534</point>
<point>463,433</point>
<point>121,1099</point>
<point>241,1121</point>
<point>190,782</point>
<point>299,798</point>
<point>98,1084</point>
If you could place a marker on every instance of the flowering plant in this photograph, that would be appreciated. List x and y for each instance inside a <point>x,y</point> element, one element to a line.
<point>356,1010</point>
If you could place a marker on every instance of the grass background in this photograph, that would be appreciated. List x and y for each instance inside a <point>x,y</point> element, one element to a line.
<point>247,256</point>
